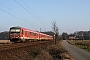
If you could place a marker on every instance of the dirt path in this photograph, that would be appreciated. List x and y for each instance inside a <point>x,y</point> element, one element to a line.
<point>77,53</point>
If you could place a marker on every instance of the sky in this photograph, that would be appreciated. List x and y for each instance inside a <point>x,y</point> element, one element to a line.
<point>69,15</point>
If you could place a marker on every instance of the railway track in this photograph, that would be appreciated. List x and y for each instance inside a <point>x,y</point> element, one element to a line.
<point>22,51</point>
<point>21,45</point>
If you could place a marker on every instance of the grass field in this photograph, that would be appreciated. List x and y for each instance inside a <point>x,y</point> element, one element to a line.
<point>84,44</point>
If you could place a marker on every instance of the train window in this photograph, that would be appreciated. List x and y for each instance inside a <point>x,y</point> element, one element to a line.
<point>25,32</point>
<point>30,33</point>
<point>22,31</point>
<point>35,34</point>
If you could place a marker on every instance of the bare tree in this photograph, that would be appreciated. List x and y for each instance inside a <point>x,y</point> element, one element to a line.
<point>55,30</point>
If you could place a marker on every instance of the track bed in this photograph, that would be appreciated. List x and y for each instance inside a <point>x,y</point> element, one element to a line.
<point>22,51</point>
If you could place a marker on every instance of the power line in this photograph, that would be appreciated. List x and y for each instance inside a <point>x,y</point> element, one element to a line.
<point>28,7</point>
<point>32,11</point>
<point>13,15</point>
<point>17,13</point>
<point>12,10</point>
<point>10,14</point>
<point>26,10</point>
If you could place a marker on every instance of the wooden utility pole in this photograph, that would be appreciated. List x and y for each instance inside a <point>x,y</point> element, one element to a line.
<point>55,38</point>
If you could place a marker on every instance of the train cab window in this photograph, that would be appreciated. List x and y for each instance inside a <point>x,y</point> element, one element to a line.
<point>14,30</point>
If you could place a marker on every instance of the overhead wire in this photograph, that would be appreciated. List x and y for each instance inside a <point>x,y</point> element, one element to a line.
<point>31,10</point>
<point>27,10</point>
<point>11,10</point>
<point>34,13</point>
<point>17,13</point>
<point>15,16</point>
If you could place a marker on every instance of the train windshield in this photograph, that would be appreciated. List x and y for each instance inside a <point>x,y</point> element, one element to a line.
<point>14,30</point>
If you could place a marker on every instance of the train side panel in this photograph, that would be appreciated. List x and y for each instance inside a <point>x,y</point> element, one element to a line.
<point>22,34</point>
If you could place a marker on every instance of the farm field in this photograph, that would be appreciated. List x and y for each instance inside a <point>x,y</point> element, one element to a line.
<point>83,44</point>
<point>4,41</point>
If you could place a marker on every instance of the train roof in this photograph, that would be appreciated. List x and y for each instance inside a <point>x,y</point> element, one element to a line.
<point>16,27</point>
<point>30,30</point>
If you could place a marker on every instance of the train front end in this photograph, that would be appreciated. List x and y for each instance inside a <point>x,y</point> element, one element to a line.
<point>14,34</point>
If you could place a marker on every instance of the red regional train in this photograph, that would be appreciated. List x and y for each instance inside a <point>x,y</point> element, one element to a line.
<point>20,34</point>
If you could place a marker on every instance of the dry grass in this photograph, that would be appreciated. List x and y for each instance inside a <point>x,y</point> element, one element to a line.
<point>44,55</point>
<point>4,41</point>
<point>54,52</point>
<point>37,52</point>
<point>84,44</point>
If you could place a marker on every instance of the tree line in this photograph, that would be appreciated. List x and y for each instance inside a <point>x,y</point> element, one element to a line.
<point>4,35</point>
<point>82,35</point>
